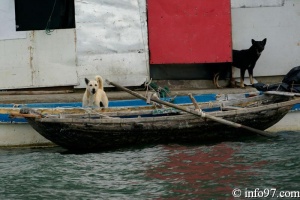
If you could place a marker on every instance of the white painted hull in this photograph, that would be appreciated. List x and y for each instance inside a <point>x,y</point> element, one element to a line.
<point>290,122</point>
<point>20,135</point>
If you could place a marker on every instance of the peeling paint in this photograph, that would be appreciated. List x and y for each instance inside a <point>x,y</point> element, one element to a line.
<point>256,3</point>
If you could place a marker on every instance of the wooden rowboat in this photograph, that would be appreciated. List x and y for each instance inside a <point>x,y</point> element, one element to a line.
<point>119,127</point>
<point>16,132</point>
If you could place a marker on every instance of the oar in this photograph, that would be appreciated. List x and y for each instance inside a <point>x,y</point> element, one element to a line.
<point>200,114</point>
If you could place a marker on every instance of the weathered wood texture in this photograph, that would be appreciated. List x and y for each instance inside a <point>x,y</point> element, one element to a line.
<point>96,133</point>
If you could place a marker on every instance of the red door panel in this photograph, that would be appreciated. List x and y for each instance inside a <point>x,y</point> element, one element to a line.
<point>189,31</point>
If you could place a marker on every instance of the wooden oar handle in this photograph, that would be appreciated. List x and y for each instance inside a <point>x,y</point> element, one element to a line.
<point>203,115</point>
<point>197,108</point>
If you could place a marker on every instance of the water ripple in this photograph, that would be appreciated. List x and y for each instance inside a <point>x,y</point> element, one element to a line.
<point>153,172</point>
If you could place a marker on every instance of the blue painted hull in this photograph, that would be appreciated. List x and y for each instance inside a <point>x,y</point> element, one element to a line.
<point>295,108</point>
<point>4,118</point>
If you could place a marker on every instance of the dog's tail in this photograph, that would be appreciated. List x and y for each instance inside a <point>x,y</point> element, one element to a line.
<point>100,82</point>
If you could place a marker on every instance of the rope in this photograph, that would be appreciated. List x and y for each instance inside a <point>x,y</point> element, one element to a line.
<point>202,114</point>
<point>293,85</point>
<point>47,29</point>
<point>147,85</point>
<point>165,91</point>
<point>161,92</point>
<point>276,88</point>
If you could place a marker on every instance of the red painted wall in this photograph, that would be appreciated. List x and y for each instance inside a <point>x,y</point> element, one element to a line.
<point>189,31</point>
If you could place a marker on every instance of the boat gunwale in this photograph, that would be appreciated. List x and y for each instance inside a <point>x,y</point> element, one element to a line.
<point>55,110</point>
<point>121,110</point>
<point>109,120</point>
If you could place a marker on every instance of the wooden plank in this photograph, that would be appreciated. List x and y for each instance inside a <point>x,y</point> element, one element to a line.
<point>288,94</point>
<point>181,117</point>
<point>231,108</point>
<point>35,92</point>
<point>19,115</point>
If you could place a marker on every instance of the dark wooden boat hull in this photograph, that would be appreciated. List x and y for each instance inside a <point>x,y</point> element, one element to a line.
<point>106,134</point>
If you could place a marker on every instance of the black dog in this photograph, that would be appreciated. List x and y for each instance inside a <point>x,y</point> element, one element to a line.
<point>246,59</point>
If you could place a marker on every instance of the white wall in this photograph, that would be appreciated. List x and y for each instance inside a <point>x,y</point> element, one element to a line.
<point>7,21</point>
<point>33,58</point>
<point>112,40</point>
<point>276,20</point>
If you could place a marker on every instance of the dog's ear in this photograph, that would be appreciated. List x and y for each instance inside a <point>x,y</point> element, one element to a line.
<point>86,81</point>
<point>253,41</point>
<point>264,41</point>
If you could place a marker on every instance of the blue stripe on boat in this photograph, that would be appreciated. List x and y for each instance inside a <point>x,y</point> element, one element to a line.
<point>296,107</point>
<point>4,118</point>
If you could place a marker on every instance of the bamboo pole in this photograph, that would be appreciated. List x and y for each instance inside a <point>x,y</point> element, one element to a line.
<point>197,108</point>
<point>199,114</point>
<point>288,94</point>
<point>20,115</point>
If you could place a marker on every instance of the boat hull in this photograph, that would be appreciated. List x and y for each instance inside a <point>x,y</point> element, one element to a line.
<point>289,122</point>
<point>21,135</point>
<point>95,135</point>
<point>17,132</point>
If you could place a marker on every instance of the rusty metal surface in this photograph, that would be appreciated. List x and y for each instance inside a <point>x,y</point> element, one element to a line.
<point>112,40</point>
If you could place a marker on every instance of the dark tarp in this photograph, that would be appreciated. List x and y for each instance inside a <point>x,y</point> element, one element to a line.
<point>290,83</point>
<point>44,14</point>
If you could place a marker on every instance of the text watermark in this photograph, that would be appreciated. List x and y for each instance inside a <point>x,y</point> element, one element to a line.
<point>264,193</point>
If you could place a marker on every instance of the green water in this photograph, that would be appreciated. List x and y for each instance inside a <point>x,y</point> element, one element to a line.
<point>153,172</point>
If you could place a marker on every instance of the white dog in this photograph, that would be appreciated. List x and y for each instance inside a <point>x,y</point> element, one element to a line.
<point>94,95</point>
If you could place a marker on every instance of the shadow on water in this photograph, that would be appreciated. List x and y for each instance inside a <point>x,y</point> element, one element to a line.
<point>107,150</point>
<point>282,136</point>
<point>245,139</point>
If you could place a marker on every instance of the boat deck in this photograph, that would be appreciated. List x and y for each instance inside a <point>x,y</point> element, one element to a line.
<point>7,97</point>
